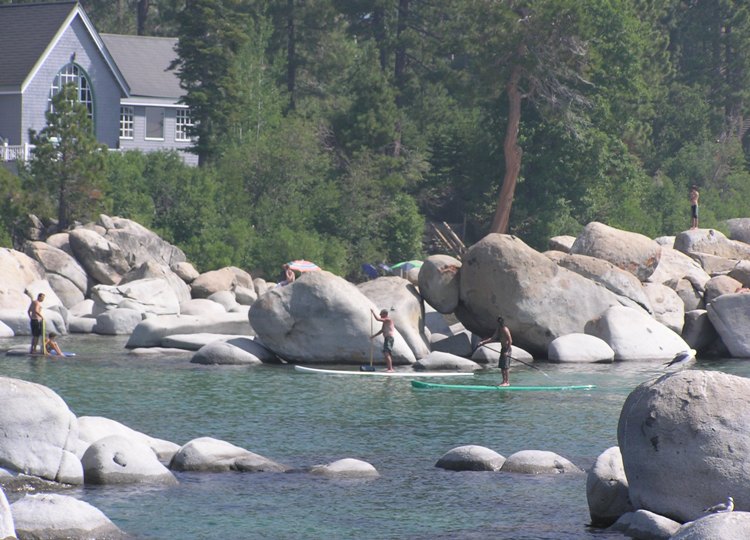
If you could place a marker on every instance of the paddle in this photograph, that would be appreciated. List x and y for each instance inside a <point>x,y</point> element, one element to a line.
<point>370,367</point>
<point>512,358</point>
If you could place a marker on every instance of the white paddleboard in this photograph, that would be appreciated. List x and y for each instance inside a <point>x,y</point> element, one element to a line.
<point>383,373</point>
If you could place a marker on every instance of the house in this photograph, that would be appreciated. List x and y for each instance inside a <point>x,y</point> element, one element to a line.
<point>131,96</point>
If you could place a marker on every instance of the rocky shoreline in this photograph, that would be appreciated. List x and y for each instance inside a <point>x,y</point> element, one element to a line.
<point>607,295</point>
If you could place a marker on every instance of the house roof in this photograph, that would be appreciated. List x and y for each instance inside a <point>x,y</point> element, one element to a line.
<point>29,34</point>
<point>27,31</point>
<point>144,62</point>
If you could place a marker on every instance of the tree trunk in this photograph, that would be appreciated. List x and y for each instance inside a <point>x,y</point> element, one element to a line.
<point>142,16</point>
<point>512,154</point>
<point>399,70</point>
<point>291,54</point>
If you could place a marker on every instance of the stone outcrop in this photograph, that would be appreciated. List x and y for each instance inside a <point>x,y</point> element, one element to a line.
<point>439,283</point>
<point>730,315</point>
<point>538,462</point>
<point>539,300</point>
<point>206,454</point>
<point>580,348</point>
<point>320,318</point>
<point>684,442</point>
<point>471,458</point>
<point>346,468</point>
<point>39,432</point>
<point>607,489</point>
<point>627,250</point>
<point>122,460</point>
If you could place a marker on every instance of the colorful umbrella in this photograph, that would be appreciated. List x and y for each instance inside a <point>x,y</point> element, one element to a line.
<point>301,265</point>
<point>407,265</point>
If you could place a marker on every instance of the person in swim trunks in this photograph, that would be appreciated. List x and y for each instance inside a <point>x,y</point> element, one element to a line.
<point>694,195</point>
<point>502,334</point>
<point>388,330</point>
<point>37,322</point>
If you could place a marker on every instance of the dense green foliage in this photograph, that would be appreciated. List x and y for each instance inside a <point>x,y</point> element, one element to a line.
<point>330,130</point>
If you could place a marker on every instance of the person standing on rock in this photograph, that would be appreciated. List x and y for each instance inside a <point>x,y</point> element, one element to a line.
<point>37,322</point>
<point>388,330</point>
<point>289,276</point>
<point>502,334</point>
<point>694,195</point>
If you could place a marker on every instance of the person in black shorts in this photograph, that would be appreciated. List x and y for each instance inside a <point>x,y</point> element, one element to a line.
<point>502,334</point>
<point>37,322</point>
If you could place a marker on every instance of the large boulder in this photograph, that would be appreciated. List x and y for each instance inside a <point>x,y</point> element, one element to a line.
<point>684,442</point>
<point>18,270</point>
<point>50,515</point>
<point>633,335</point>
<point>674,266</point>
<point>739,229</point>
<point>538,462</point>
<point>698,331</point>
<point>539,300</point>
<point>118,321</point>
<point>321,318</point>
<point>346,468</point>
<point>726,526</point>
<point>138,244</point>
<point>206,454</point>
<point>60,264</point>
<point>122,460</point>
<point>471,458</point>
<point>669,309</point>
<point>615,279</point>
<point>711,242</point>
<point>439,282</point>
<point>155,270</point>
<point>93,428</point>
<point>581,348</point>
<point>730,316</point>
<point>607,489</point>
<point>233,351</point>
<point>224,279</point>
<point>7,528</point>
<point>153,296</point>
<point>103,260</point>
<point>405,307</point>
<point>442,361</point>
<point>627,250</point>
<point>38,432</point>
<point>719,285</point>
<point>150,332</point>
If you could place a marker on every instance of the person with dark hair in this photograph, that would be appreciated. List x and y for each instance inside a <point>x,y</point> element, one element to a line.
<point>502,334</point>
<point>37,322</point>
<point>52,344</point>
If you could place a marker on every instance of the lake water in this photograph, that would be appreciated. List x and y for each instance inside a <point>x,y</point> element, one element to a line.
<point>302,420</point>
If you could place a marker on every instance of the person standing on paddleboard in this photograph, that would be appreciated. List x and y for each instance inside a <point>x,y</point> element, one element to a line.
<point>502,334</point>
<point>37,322</point>
<point>388,330</point>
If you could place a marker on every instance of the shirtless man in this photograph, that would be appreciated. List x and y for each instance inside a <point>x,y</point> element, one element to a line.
<point>37,322</point>
<point>502,334</point>
<point>694,195</point>
<point>388,330</point>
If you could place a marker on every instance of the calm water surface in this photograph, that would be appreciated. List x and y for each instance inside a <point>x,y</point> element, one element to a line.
<point>302,420</point>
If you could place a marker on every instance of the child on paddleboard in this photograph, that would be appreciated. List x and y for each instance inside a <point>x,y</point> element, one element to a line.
<point>388,330</point>
<point>52,344</point>
<point>502,334</point>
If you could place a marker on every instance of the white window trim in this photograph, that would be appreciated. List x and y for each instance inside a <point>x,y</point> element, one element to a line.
<point>185,127</point>
<point>132,122</point>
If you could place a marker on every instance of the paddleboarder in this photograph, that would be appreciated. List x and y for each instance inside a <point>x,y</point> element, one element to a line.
<point>37,322</point>
<point>502,334</point>
<point>388,330</point>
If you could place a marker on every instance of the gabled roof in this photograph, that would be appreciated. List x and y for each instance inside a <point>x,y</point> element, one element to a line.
<point>144,62</point>
<point>29,32</point>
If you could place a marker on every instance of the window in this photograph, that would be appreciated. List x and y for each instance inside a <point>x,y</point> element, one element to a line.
<point>183,124</point>
<point>155,123</point>
<point>126,122</point>
<point>73,73</point>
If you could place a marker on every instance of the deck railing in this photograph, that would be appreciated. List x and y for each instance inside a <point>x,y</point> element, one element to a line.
<point>16,152</point>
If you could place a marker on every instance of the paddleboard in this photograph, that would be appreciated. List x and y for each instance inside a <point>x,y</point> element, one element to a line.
<point>471,387</point>
<point>16,352</point>
<point>383,373</point>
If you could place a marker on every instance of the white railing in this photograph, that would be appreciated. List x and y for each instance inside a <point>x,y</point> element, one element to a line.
<point>16,152</point>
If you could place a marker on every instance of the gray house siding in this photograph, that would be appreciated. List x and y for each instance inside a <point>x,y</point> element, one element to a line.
<point>106,92</point>
<point>139,141</point>
<point>10,118</point>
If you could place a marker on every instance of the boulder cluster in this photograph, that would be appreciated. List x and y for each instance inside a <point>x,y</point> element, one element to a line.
<point>606,295</point>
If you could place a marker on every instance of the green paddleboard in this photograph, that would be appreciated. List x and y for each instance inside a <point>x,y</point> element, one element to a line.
<point>479,388</point>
